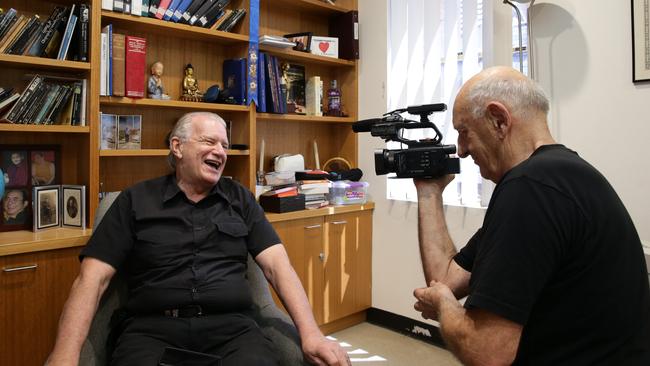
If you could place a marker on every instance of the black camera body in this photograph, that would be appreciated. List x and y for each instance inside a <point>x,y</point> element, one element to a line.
<point>421,159</point>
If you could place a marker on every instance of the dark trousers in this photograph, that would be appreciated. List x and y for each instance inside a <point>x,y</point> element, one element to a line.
<point>235,337</point>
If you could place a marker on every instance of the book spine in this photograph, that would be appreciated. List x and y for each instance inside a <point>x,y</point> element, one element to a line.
<point>135,59</point>
<point>67,36</point>
<point>8,20</point>
<point>107,4</point>
<point>162,8</point>
<point>22,36</point>
<point>118,64</point>
<point>19,107</point>
<point>118,6</point>
<point>235,19</point>
<point>83,30</point>
<point>49,99</point>
<point>127,7</point>
<point>84,106</point>
<point>170,9</point>
<point>102,67</point>
<point>136,7</point>
<point>261,83</point>
<point>145,8</point>
<point>35,104</point>
<point>178,13</point>
<point>48,30</point>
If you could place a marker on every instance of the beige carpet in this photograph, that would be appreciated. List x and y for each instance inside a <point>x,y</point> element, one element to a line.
<point>370,345</point>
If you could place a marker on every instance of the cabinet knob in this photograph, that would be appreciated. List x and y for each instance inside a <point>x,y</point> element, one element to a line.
<point>339,222</point>
<point>321,256</point>
<point>21,268</point>
<point>313,226</point>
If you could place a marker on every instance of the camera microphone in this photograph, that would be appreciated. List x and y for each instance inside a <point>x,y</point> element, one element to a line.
<point>365,125</point>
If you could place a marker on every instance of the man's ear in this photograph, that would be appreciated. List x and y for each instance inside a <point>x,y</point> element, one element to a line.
<point>500,118</point>
<point>176,149</point>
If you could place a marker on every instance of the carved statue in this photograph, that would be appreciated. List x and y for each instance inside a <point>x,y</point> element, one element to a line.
<point>191,90</point>
<point>154,85</point>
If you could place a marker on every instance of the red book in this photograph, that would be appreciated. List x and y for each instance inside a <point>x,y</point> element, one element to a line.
<point>135,59</point>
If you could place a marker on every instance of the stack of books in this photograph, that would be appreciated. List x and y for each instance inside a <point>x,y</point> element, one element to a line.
<point>316,192</point>
<point>48,100</point>
<point>122,64</point>
<point>210,14</point>
<point>63,36</point>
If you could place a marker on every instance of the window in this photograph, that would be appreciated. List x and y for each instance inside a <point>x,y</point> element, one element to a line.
<point>434,47</point>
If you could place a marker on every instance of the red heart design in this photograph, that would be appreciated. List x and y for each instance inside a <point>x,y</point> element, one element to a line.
<point>324,46</point>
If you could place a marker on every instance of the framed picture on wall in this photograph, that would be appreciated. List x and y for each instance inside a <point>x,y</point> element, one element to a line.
<point>73,206</point>
<point>640,41</point>
<point>46,207</point>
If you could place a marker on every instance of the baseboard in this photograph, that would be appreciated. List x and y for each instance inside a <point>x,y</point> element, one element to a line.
<point>407,326</point>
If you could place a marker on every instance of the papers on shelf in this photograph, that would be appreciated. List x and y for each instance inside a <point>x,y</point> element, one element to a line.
<point>276,41</point>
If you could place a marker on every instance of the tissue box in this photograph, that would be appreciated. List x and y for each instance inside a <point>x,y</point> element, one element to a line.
<point>348,193</point>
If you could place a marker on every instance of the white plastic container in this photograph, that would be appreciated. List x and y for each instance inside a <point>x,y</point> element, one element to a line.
<point>348,193</point>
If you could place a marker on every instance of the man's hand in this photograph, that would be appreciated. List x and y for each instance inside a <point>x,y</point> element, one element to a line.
<point>430,298</point>
<point>320,351</point>
<point>431,186</point>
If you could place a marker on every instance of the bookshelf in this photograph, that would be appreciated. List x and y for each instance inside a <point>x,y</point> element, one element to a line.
<point>111,170</point>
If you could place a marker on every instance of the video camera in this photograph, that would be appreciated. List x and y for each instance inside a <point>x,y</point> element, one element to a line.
<point>422,158</point>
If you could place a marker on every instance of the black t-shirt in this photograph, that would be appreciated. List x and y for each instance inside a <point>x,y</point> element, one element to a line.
<point>174,252</point>
<point>558,253</point>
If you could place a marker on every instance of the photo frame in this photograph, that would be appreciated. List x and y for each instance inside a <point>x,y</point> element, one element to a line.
<point>73,206</point>
<point>302,40</point>
<point>25,167</point>
<point>640,42</point>
<point>46,207</point>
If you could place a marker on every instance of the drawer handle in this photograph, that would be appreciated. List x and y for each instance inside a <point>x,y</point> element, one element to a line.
<point>321,256</point>
<point>313,226</point>
<point>339,222</point>
<point>23,268</point>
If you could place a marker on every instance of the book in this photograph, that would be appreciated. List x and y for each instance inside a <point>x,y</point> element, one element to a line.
<point>67,35</point>
<point>191,9</point>
<point>211,16</point>
<point>81,35</point>
<point>145,8</point>
<point>162,7</point>
<point>207,4</point>
<point>345,27</point>
<point>52,48</point>
<point>118,62</point>
<point>48,102</point>
<point>103,78</point>
<point>261,83</point>
<point>135,58</point>
<point>18,108</point>
<point>295,79</point>
<point>226,14</point>
<point>230,23</point>
<point>108,30</point>
<point>118,6</point>
<point>136,7</point>
<point>9,100</point>
<point>314,96</point>
<point>108,131</point>
<point>276,41</point>
<point>234,79</point>
<point>271,87</point>
<point>16,46</point>
<point>107,4</point>
<point>7,21</point>
<point>127,7</point>
<point>171,9</point>
<point>128,130</point>
<point>13,33</point>
<point>31,34</point>
<point>178,13</point>
<point>153,8</point>
<point>38,48</point>
<point>67,112</point>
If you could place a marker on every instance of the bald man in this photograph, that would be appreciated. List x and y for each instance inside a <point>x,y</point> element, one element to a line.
<point>556,274</point>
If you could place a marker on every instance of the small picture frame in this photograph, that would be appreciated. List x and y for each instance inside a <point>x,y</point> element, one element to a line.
<point>108,131</point>
<point>73,206</point>
<point>128,131</point>
<point>16,209</point>
<point>302,40</point>
<point>46,207</point>
<point>640,43</point>
<point>325,46</point>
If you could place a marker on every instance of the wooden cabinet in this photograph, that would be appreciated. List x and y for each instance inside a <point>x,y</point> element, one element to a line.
<point>332,256</point>
<point>34,287</point>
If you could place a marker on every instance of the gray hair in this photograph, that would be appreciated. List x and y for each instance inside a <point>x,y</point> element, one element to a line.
<point>183,130</point>
<point>521,95</point>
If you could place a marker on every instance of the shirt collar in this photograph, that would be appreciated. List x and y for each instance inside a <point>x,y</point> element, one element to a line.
<point>171,189</point>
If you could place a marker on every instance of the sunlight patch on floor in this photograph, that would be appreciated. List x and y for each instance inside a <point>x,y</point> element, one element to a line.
<point>357,355</point>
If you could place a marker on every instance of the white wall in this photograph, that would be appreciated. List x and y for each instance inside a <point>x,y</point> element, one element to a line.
<point>584,60</point>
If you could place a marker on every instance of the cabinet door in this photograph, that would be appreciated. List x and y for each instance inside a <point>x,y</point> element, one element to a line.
<point>347,288</point>
<point>34,288</point>
<point>303,240</point>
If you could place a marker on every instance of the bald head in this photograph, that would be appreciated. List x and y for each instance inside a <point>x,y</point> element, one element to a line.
<point>521,95</point>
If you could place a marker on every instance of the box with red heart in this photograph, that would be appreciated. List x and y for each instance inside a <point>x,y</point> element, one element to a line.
<point>325,46</point>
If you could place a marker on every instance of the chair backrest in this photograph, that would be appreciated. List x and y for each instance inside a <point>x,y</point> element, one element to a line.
<point>274,323</point>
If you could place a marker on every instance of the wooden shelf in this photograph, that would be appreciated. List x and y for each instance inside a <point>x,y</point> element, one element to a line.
<point>43,128</point>
<point>292,55</point>
<point>23,241</point>
<point>157,26</point>
<point>312,6</point>
<point>172,104</point>
<point>157,152</point>
<point>303,118</point>
<point>325,211</point>
<point>42,63</point>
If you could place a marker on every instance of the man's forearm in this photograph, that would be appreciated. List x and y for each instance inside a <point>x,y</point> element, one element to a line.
<point>436,246</point>
<point>75,322</point>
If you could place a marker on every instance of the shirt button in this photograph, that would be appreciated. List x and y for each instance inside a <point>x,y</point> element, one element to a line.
<point>194,290</point>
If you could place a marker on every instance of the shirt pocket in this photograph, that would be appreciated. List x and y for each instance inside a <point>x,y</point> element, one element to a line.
<point>231,234</point>
<point>159,247</point>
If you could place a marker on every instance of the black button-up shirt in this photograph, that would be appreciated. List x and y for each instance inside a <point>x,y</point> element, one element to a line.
<point>175,252</point>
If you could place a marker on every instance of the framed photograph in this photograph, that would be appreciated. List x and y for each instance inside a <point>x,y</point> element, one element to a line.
<point>46,207</point>
<point>302,40</point>
<point>640,41</point>
<point>16,210</point>
<point>128,130</point>
<point>325,46</point>
<point>73,206</point>
<point>24,167</point>
<point>108,131</point>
